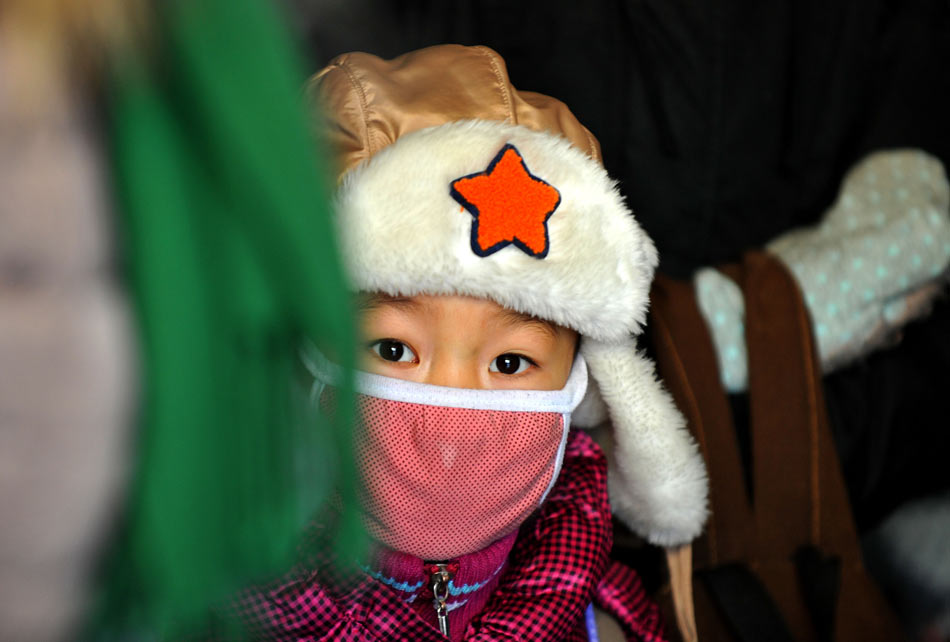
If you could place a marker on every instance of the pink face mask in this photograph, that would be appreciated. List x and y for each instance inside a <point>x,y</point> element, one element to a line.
<point>447,471</point>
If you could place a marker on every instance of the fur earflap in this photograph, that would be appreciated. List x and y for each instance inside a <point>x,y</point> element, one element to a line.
<point>657,477</point>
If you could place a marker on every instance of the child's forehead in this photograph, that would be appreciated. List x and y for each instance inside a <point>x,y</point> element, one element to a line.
<point>369,301</point>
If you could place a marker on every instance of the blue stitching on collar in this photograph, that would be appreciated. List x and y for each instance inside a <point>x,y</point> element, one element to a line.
<point>406,587</point>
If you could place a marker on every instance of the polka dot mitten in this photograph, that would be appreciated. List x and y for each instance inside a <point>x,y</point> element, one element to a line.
<point>874,262</point>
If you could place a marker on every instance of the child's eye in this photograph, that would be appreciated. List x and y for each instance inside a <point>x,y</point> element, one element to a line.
<point>392,350</point>
<point>509,364</point>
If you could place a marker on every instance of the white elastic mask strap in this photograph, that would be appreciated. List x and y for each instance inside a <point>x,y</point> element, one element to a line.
<point>562,401</point>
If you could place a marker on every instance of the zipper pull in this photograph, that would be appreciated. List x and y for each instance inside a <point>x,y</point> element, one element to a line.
<point>439,581</point>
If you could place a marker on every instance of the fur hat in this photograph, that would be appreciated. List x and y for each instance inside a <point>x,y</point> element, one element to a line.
<point>454,182</point>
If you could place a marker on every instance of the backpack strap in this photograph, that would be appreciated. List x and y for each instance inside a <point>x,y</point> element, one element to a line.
<point>797,501</point>
<point>679,561</point>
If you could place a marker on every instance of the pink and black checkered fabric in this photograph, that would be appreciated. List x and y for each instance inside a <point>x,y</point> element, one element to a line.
<point>558,558</point>
<point>620,593</point>
<point>558,565</point>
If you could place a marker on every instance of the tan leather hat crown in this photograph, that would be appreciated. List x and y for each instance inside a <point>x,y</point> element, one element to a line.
<point>370,103</point>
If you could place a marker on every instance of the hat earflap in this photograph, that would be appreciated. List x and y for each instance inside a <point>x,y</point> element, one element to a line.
<point>657,478</point>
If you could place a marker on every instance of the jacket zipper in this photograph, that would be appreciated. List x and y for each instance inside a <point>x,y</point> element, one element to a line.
<point>439,581</point>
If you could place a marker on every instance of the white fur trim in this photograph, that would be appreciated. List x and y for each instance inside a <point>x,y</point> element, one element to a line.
<point>657,479</point>
<point>404,234</point>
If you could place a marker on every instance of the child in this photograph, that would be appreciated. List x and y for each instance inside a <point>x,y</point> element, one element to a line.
<point>499,270</point>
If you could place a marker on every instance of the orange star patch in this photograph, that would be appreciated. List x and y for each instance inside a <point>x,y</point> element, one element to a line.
<point>509,203</point>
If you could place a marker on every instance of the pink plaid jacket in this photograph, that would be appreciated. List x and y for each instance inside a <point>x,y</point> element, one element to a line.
<point>558,566</point>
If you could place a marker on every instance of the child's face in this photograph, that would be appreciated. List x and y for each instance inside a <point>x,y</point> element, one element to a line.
<point>463,342</point>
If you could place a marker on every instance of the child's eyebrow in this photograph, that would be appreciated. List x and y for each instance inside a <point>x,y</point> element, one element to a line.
<point>367,302</point>
<point>513,317</point>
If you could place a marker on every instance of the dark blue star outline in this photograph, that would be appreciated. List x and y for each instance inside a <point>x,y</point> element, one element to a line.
<point>473,210</point>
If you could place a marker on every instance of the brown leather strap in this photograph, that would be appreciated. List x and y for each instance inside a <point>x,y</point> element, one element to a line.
<point>786,413</point>
<point>679,560</point>
<point>687,363</point>
<point>799,498</point>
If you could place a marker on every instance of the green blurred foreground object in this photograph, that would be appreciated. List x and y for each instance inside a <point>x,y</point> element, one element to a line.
<point>223,212</point>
